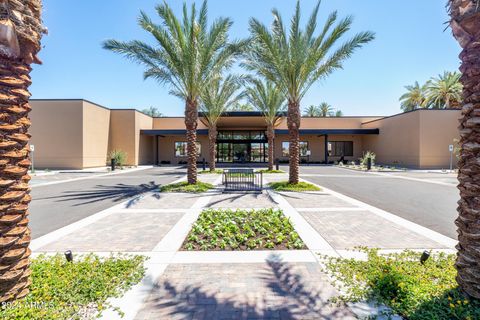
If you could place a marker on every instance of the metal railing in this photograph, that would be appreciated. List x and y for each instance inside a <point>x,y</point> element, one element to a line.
<point>242,180</point>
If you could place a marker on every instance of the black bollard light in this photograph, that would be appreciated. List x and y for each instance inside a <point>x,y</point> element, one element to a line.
<point>424,257</point>
<point>204,165</point>
<point>69,255</point>
<point>112,164</point>
<point>369,163</point>
<point>277,164</point>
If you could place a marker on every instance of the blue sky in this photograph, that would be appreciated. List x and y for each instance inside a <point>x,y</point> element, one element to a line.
<point>410,45</point>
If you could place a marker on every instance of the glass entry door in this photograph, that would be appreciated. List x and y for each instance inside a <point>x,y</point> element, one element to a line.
<point>241,152</point>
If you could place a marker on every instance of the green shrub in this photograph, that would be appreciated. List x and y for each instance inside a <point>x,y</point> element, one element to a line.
<point>413,290</point>
<point>185,187</point>
<point>286,186</point>
<point>119,156</point>
<point>65,290</point>
<point>368,155</point>
<point>270,171</point>
<point>216,171</point>
<point>225,229</point>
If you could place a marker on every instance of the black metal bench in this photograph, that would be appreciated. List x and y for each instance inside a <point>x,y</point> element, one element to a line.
<point>242,180</point>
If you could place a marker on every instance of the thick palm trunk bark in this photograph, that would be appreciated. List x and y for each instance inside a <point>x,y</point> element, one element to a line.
<point>20,36</point>
<point>465,25</point>
<point>212,140</point>
<point>293,123</point>
<point>271,146</point>
<point>191,117</point>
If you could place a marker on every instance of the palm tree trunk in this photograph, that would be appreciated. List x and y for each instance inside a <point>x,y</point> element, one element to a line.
<point>212,140</point>
<point>19,43</point>
<point>191,117</point>
<point>270,137</point>
<point>293,123</point>
<point>465,24</point>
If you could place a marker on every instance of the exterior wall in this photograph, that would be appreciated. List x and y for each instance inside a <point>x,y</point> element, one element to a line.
<point>166,148</point>
<point>329,122</point>
<point>437,131</point>
<point>122,133</point>
<point>58,144</point>
<point>416,139</point>
<point>96,130</point>
<point>172,123</point>
<point>143,144</point>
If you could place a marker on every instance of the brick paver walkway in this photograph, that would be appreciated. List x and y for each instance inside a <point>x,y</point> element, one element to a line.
<point>246,285</point>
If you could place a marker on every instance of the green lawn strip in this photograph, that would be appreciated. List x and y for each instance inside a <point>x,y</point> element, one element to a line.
<point>185,187</point>
<point>225,229</point>
<point>270,171</point>
<point>400,281</point>
<point>216,171</point>
<point>299,187</point>
<point>66,290</point>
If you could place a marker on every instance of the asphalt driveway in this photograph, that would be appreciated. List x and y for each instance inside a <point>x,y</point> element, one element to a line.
<point>57,205</point>
<point>428,199</point>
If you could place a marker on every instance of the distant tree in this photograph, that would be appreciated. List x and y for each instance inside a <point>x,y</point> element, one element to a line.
<point>325,109</point>
<point>445,91</point>
<point>152,112</point>
<point>241,107</point>
<point>312,111</point>
<point>338,113</point>
<point>215,99</point>
<point>414,98</point>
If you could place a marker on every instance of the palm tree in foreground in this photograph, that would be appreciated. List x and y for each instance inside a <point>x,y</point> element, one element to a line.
<point>188,55</point>
<point>465,24</point>
<point>312,111</point>
<point>296,59</point>
<point>445,91</point>
<point>270,101</point>
<point>414,98</point>
<point>216,98</point>
<point>20,35</point>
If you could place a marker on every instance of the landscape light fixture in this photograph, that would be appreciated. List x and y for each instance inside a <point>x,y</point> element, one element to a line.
<point>424,257</point>
<point>69,255</point>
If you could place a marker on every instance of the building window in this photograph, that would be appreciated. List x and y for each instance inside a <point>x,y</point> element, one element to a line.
<point>340,148</point>
<point>181,148</point>
<point>303,148</point>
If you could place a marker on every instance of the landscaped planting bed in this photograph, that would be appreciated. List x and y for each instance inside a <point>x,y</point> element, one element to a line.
<point>225,229</point>
<point>299,187</point>
<point>411,289</point>
<point>183,186</point>
<point>74,290</point>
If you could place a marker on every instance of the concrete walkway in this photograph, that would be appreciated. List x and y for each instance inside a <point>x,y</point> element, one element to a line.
<point>286,284</point>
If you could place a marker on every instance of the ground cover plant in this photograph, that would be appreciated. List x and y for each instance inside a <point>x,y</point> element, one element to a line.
<point>270,171</point>
<point>184,186</point>
<point>411,289</point>
<point>74,290</point>
<point>216,171</point>
<point>299,187</point>
<point>225,229</point>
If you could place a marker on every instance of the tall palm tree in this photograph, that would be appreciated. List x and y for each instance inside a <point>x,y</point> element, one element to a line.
<point>465,24</point>
<point>325,109</point>
<point>445,91</point>
<point>188,54</point>
<point>270,101</point>
<point>311,111</point>
<point>414,98</point>
<point>216,98</point>
<point>296,59</point>
<point>241,107</point>
<point>20,34</point>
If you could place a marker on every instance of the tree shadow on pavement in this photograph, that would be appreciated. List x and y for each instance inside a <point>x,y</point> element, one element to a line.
<point>116,193</point>
<point>282,294</point>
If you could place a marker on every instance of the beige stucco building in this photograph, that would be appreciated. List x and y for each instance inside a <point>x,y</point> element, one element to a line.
<point>77,134</point>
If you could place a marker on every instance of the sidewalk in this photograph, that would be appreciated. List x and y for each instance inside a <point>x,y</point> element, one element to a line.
<point>282,284</point>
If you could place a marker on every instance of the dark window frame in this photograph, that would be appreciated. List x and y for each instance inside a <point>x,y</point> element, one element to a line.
<point>199,149</point>
<point>288,148</point>
<point>333,149</point>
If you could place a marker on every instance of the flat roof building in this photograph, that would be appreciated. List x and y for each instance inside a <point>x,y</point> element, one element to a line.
<point>76,134</point>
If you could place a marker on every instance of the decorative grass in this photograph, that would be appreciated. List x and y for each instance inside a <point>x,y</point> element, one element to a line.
<point>216,171</point>
<point>413,290</point>
<point>270,171</point>
<point>299,187</point>
<point>225,229</point>
<point>183,186</point>
<point>75,290</point>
